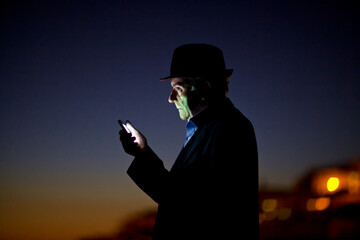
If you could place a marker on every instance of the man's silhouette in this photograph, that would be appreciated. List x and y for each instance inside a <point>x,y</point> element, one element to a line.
<point>211,191</point>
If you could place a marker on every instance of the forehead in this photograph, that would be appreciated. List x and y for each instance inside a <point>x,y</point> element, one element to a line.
<point>177,81</point>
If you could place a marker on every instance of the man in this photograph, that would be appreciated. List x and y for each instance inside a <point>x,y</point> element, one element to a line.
<point>211,191</point>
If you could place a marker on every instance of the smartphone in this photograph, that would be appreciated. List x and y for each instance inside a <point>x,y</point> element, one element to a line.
<point>123,126</point>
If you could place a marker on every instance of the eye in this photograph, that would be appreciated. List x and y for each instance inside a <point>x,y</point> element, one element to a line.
<point>179,89</point>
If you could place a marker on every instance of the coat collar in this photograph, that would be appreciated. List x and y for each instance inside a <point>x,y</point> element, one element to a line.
<point>212,112</point>
<point>209,114</point>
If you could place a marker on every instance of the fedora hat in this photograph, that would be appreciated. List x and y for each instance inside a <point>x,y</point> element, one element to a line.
<point>198,60</point>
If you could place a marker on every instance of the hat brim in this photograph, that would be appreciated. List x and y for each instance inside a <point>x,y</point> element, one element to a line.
<point>228,73</point>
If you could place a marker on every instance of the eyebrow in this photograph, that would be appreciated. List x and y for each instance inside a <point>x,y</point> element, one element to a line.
<point>177,83</point>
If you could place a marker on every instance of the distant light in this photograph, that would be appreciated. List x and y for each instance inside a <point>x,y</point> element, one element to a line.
<point>269,216</point>
<point>322,203</point>
<point>269,205</point>
<point>354,182</point>
<point>310,204</point>
<point>318,204</point>
<point>261,217</point>
<point>284,213</point>
<point>332,184</point>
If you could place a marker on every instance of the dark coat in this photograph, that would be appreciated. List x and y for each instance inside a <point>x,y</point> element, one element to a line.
<point>211,192</point>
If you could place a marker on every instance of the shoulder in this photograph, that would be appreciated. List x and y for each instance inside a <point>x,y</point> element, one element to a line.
<point>224,120</point>
<point>232,119</point>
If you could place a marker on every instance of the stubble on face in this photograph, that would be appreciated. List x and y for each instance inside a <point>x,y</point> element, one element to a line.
<point>179,97</point>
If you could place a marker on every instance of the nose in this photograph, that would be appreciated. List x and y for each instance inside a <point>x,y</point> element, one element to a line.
<point>172,96</point>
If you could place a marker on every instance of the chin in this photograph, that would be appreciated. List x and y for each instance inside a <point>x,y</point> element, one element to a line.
<point>183,117</point>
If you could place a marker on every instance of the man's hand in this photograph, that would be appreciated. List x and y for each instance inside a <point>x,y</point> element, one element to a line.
<point>134,142</point>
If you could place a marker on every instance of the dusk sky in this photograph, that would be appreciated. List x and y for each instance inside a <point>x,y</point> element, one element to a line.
<point>70,69</point>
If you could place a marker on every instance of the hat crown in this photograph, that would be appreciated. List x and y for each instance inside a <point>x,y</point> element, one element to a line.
<point>197,60</point>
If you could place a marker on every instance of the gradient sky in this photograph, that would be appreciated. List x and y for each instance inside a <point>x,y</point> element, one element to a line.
<point>70,69</point>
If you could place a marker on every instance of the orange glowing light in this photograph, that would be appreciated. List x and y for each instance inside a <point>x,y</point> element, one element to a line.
<point>354,182</point>
<point>269,205</point>
<point>322,203</point>
<point>261,218</point>
<point>269,216</point>
<point>332,184</point>
<point>318,204</point>
<point>310,205</point>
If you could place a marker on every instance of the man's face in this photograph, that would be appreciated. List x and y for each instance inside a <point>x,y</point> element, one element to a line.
<point>179,96</point>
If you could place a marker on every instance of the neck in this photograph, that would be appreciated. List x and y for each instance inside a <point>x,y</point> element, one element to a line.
<point>197,110</point>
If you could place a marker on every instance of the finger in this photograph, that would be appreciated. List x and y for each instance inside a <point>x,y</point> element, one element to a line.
<point>126,137</point>
<point>122,132</point>
<point>131,127</point>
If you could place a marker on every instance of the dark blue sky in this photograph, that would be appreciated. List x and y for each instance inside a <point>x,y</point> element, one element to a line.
<point>71,69</point>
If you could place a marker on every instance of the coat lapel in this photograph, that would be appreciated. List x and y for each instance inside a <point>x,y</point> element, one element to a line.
<point>184,156</point>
